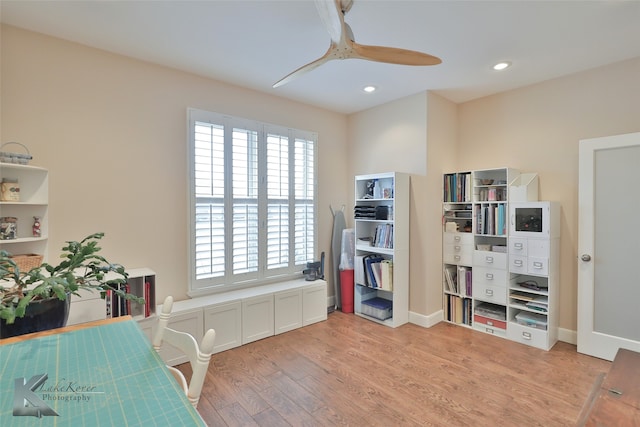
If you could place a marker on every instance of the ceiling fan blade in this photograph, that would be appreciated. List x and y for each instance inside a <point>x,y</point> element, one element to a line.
<point>330,12</point>
<point>304,69</point>
<point>392,55</point>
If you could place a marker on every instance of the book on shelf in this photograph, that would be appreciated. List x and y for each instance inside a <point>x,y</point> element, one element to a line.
<point>107,299</point>
<point>459,310</point>
<point>464,281</point>
<point>386,267</point>
<point>147,299</point>
<point>364,274</point>
<point>457,187</point>
<point>450,275</point>
<point>383,236</point>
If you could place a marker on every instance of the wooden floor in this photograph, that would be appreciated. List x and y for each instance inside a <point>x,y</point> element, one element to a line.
<point>350,371</point>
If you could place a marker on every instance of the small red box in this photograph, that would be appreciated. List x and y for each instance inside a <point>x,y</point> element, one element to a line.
<point>500,324</point>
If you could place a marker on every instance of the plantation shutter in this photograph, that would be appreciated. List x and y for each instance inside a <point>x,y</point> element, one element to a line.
<point>254,201</point>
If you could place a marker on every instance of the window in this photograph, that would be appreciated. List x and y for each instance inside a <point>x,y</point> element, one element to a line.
<point>253,201</point>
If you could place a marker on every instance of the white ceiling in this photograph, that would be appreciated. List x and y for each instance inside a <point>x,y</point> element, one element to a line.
<point>255,43</point>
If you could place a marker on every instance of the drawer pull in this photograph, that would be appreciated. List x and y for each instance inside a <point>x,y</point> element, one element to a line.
<point>537,265</point>
<point>518,246</point>
<point>489,276</point>
<point>489,330</point>
<point>488,292</point>
<point>489,322</point>
<point>457,238</point>
<point>456,257</point>
<point>457,248</point>
<point>518,262</point>
<point>489,260</point>
<point>526,335</point>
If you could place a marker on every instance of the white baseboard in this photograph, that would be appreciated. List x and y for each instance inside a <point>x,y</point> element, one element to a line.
<point>568,336</point>
<point>564,335</point>
<point>426,321</point>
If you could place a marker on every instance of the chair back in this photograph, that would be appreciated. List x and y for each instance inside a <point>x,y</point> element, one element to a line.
<point>199,355</point>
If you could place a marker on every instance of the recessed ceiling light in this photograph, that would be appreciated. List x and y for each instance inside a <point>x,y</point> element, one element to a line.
<point>501,66</point>
<point>369,89</point>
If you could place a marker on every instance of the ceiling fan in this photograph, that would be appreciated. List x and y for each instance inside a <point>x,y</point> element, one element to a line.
<point>343,45</point>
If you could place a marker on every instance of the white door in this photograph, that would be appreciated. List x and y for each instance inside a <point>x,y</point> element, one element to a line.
<point>609,245</point>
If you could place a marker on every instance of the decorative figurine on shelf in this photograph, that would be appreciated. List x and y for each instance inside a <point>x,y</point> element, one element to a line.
<point>8,228</point>
<point>36,227</point>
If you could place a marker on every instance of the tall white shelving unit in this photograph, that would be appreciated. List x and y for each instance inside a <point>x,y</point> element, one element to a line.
<point>490,257</point>
<point>534,274</point>
<point>382,231</point>
<point>497,278</point>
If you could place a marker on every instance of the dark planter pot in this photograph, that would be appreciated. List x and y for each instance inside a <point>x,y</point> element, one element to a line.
<point>40,315</point>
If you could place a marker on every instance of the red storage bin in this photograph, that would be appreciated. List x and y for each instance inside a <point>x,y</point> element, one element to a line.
<point>346,290</point>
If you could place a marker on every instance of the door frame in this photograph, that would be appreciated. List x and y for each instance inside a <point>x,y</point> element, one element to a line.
<point>590,342</point>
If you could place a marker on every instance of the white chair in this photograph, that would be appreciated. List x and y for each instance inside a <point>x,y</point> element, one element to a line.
<point>199,356</point>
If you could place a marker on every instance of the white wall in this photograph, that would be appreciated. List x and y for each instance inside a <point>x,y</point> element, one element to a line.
<point>393,138</point>
<point>112,132</point>
<point>537,129</point>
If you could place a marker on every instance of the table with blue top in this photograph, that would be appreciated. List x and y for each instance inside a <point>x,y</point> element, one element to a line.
<point>103,373</point>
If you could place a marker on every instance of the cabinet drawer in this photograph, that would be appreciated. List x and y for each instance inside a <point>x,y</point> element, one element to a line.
<point>489,277</point>
<point>487,321</point>
<point>490,330</point>
<point>538,266</point>
<point>517,246</point>
<point>530,336</point>
<point>458,254</point>
<point>494,294</point>
<point>490,259</point>
<point>458,239</point>
<point>517,264</point>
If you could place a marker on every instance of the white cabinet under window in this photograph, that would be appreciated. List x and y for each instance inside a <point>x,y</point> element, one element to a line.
<point>246,315</point>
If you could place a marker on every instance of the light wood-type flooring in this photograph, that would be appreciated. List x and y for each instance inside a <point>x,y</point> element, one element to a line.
<point>350,371</point>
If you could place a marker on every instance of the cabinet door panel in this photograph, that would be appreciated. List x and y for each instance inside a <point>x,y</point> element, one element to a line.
<point>288,311</point>
<point>257,318</point>
<point>314,304</point>
<point>226,320</point>
<point>538,248</point>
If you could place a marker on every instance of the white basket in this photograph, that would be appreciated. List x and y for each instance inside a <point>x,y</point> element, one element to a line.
<point>9,157</point>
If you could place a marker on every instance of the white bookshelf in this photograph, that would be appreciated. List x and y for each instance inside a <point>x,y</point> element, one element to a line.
<point>382,236</point>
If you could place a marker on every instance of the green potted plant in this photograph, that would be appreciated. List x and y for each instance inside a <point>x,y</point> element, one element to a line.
<point>26,295</point>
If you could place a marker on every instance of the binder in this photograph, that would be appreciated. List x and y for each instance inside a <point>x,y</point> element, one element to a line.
<point>386,269</point>
<point>369,275</point>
